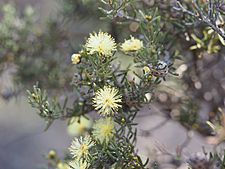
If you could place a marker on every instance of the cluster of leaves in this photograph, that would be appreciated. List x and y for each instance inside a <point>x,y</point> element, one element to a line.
<point>219,158</point>
<point>48,111</point>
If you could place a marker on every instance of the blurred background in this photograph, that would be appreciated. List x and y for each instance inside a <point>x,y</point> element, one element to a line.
<point>37,39</point>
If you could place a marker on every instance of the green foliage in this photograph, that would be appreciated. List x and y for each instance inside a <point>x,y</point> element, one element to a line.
<point>48,111</point>
<point>219,159</point>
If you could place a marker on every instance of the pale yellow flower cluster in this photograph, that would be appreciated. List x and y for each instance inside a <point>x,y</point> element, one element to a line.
<point>100,43</point>
<point>107,101</point>
<point>75,58</point>
<point>80,151</point>
<point>80,147</point>
<point>104,45</point>
<point>104,130</point>
<point>131,45</point>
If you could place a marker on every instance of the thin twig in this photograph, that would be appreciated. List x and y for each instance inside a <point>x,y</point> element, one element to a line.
<point>209,19</point>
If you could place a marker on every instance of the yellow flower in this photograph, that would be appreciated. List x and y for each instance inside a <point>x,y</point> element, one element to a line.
<point>52,154</point>
<point>107,101</point>
<point>79,126</point>
<point>101,43</point>
<point>148,17</point>
<point>146,69</point>
<point>104,130</point>
<point>79,164</point>
<point>80,147</point>
<point>61,165</point>
<point>75,58</point>
<point>132,45</point>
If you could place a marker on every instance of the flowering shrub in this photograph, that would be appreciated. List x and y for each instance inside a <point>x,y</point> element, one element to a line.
<point>116,94</point>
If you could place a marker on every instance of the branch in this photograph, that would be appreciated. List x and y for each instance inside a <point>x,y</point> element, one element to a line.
<point>208,19</point>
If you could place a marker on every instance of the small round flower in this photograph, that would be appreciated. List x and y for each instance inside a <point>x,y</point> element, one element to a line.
<point>75,164</point>
<point>107,101</point>
<point>80,147</point>
<point>75,58</point>
<point>146,69</point>
<point>52,154</point>
<point>104,130</point>
<point>101,43</point>
<point>148,17</point>
<point>132,45</point>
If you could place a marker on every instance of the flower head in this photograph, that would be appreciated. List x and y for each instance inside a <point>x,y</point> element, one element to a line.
<point>79,125</point>
<point>101,43</point>
<point>52,154</point>
<point>75,58</point>
<point>80,147</point>
<point>104,129</point>
<point>78,164</point>
<point>107,100</point>
<point>131,45</point>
